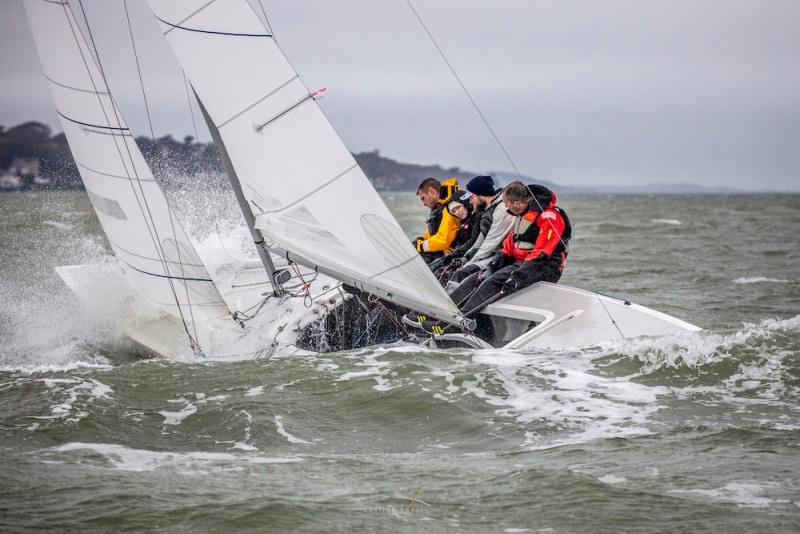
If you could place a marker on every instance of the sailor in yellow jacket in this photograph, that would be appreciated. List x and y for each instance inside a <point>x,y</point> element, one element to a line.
<point>442,227</point>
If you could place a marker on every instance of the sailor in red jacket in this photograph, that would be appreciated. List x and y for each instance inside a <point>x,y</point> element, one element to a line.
<point>533,251</point>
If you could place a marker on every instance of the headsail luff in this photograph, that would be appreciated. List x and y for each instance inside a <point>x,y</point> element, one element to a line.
<point>312,201</point>
<point>158,258</point>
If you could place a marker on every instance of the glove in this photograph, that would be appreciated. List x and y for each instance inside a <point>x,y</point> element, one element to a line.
<point>467,270</point>
<point>418,244</point>
<point>513,283</point>
<point>457,263</point>
<point>500,260</point>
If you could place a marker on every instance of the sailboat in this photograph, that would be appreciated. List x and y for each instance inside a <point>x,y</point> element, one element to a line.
<point>304,198</point>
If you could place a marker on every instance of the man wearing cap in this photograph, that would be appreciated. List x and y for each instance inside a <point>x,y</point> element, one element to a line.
<point>495,224</point>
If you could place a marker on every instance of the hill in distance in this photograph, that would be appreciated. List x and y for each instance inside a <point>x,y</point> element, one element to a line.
<point>34,141</point>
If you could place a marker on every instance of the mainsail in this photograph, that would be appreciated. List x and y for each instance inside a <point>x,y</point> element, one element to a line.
<point>158,258</point>
<point>312,201</point>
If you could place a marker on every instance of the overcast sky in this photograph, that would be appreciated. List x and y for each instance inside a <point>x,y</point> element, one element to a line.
<point>581,92</point>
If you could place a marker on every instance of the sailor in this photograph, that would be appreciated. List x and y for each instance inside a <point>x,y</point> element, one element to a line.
<point>436,241</point>
<point>533,251</point>
<point>460,207</point>
<point>495,224</point>
<point>469,230</point>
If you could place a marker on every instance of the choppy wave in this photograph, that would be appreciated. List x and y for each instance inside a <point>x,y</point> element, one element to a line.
<point>119,457</point>
<point>759,280</point>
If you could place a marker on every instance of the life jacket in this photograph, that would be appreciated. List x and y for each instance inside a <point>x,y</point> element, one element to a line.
<point>434,218</point>
<point>527,227</point>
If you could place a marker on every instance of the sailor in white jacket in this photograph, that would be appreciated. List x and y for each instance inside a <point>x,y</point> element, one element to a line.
<point>485,198</point>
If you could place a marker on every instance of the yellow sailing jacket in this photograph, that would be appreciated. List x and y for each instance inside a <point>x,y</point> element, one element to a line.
<point>444,235</point>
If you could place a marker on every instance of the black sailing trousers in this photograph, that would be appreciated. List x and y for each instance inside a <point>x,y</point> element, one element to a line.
<point>537,271</point>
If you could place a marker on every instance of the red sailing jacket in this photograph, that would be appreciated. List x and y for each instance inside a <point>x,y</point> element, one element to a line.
<point>538,235</point>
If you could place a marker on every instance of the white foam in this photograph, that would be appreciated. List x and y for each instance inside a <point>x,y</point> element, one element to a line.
<point>674,222</point>
<point>129,459</point>
<point>282,431</point>
<point>611,479</point>
<point>176,418</point>
<point>246,444</point>
<point>743,494</point>
<point>59,225</point>
<point>84,391</point>
<point>252,392</point>
<point>694,349</point>
<point>565,395</point>
<point>760,279</point>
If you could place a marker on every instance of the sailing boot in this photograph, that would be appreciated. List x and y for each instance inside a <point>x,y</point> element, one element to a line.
<point>414,319</point>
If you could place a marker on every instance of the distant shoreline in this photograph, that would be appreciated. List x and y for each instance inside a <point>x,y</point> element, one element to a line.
<point>33,159</point>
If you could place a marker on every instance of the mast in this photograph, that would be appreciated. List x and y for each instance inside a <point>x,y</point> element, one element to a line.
<point>250,219</point>
<point>311,200</point>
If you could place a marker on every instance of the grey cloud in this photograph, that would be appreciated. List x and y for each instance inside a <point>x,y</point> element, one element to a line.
<point>582,92</point>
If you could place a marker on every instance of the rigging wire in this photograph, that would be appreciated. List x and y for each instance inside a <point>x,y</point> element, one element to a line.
<point>145,211</point>
<point>494,135</point>
<point>191,109</point>
<point>160,167</point>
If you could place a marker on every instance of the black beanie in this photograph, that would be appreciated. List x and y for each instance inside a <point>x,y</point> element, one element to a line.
<point>481,185</point>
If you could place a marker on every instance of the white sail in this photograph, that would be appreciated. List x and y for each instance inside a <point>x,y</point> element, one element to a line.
<point>154,251</point>
<point>312,202</point>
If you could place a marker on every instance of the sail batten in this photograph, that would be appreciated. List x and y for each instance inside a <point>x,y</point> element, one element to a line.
<point>312,202</point>
<point>153,250</point>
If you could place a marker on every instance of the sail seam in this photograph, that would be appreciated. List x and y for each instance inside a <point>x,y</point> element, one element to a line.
<point>312,192</point>
<point>212,32</point>
<point>195,12</point>
<point>116,245</point>
<point>171,277</point>
<point>257,102</point>
<point>88,125</point>
<point>65,86</point>
<point>118,176</point>
<point>409,260</point>
<point>263,125</point>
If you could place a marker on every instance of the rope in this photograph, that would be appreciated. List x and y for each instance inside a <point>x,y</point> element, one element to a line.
<point>308,300</point>
<point>160,169</point>
<point>494,135</point>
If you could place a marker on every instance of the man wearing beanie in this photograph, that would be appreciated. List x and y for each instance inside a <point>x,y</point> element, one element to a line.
<point>495,220</point>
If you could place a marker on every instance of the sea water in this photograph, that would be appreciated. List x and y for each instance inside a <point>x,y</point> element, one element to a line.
<point>699,432</point>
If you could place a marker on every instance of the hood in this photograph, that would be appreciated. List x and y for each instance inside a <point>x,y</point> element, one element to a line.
<point>461,198</point>
<point>449,187</point>
<point>544,198</point>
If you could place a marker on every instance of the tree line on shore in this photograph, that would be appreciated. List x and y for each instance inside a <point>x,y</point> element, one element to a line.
<point>172,160</point>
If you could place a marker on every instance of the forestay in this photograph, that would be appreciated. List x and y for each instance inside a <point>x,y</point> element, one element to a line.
<point>312,201</point>
<point>155,253</point>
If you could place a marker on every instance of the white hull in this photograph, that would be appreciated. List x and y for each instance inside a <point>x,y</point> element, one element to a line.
<point>569,317</point>
<point>543,316</point>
